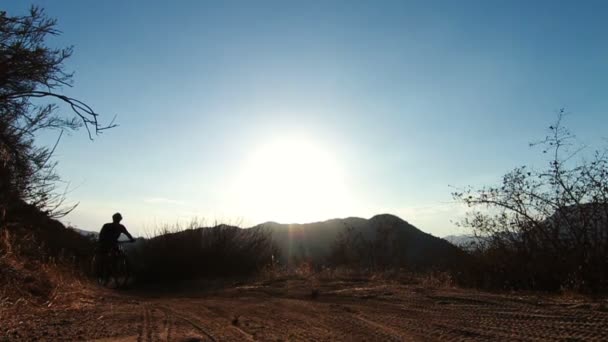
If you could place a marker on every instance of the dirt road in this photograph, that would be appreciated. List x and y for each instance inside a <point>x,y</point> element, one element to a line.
<point>288,310</point>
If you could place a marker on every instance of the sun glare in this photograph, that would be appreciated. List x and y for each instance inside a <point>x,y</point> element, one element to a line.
<point>291,180</point>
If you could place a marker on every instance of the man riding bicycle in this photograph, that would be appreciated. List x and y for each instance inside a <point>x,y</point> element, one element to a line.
<point>110,232</point>
<point>110,260</point>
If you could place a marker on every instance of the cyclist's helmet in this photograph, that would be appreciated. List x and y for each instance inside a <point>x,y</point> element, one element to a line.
<point>117,217</point>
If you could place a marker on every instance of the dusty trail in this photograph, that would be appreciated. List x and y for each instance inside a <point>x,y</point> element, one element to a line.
<point>286,311</point>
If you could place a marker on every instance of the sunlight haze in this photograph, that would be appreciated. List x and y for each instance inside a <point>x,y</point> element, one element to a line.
<point>291,180</point>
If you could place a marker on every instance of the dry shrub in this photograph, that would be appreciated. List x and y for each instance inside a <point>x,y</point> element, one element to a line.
<point>543,229</point>
<point>30,279</point>
<point>38,256</point>
<point>220,251</point>
<point>503,265</point>
<point>436,279</point>
<point>395,255</point>
<point>23,283</point>
<point>32,236</point>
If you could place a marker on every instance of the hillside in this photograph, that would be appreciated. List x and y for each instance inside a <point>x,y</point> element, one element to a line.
<point>314,240</point>
<point>464,241</point>
<point>36,252</point>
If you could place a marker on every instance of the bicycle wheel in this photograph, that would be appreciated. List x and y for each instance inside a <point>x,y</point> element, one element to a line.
<point>121,272</point>
<point>99,270</point>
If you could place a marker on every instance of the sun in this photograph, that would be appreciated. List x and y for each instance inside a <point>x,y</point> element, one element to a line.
<point>291,180</point>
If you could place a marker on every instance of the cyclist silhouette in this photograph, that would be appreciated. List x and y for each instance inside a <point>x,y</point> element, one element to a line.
<point>110,232</point>
<point>110,261</point>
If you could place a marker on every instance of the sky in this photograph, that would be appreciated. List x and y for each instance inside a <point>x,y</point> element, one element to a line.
<point>244,112</point>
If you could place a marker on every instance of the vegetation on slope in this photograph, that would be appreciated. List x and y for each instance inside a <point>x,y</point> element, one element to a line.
<point>544,229</point>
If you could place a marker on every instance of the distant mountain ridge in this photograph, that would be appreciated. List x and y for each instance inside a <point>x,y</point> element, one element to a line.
<point>465,241</point>
<point>314,241</point>
<point>86,233</point>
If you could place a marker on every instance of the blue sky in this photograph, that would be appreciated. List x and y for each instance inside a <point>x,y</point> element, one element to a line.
<point>385,104</point>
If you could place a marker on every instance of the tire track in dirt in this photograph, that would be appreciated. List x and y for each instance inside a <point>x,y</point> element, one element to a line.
<point>193,321</point>
<point>292,319</point>
<point>144,329</point>
<point>218,318</point>
<point>168,322</point>
<point>351,322</point>
<point>446,321</point>
<point>287,319</point>
<point>385,332</point>
<point>484,318</point>
<point>435,315</point>
<point>248,336</point>
<point>225,315</point>
<point>155,324</point>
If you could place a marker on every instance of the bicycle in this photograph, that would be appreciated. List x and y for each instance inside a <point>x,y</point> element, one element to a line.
<point>112,265</point>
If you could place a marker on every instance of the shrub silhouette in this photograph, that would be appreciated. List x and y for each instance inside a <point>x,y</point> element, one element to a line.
<point>387,243</point>
<point>33,236</point>
<point>37,252</point>
<point>544,229</point>
<point>219,251</point>
<point>382,251</point>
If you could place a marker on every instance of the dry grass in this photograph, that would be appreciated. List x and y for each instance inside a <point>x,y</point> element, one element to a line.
<point>317,279</point>
<point>177,254</point>
<point>40,262</point>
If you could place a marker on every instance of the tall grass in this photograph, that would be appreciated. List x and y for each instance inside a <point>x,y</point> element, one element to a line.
<point>504,265</point>
<point>39,257</point>
<point>177,254</point>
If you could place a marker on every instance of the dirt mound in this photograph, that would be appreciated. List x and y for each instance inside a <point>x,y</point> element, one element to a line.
<point>37,255</point>
<point>23,283</point>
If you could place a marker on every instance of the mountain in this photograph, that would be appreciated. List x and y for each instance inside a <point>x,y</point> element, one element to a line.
<point>465,241</point>
<point>387,237</point>
<point>94,236</point>
<point>314,241</point>
<point>567,224</point>
<point>85,233</point>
